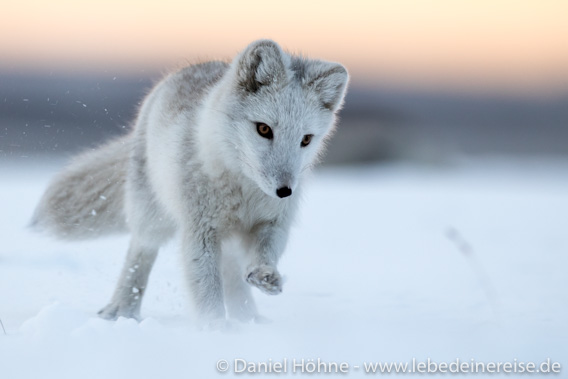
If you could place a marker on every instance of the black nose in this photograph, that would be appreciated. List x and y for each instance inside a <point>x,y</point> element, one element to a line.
<point>284,192</point>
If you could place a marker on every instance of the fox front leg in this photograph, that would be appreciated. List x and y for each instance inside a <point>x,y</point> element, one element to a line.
<point>268,241</point>
<point>202,254</point>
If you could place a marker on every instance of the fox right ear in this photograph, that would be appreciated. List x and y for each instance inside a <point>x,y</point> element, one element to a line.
<point>261,64</point>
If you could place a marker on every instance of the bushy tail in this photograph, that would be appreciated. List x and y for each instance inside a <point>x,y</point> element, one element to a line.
<point>86,200</point>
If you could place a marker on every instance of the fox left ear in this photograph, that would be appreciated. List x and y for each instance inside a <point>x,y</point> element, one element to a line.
<point>329,81</point>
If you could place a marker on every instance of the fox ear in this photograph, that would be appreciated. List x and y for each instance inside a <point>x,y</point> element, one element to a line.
<point>329,81</point>
<point>261,64</point>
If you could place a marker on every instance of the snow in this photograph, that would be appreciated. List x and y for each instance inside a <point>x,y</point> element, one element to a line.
<point>386,263</point>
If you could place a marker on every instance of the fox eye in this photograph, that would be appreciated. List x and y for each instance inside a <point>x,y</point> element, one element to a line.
<point>264,130</point>
<point>306,140</point>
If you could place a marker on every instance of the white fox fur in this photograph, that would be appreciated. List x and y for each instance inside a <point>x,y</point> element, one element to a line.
<point>196,163</point>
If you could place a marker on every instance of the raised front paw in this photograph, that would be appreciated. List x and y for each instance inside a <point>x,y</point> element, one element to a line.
<point>266,278</point>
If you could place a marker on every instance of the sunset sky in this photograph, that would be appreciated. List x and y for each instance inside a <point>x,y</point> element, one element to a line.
<point>512,45</point>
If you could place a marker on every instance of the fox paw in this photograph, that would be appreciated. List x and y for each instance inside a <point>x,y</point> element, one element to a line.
<point>114,311</point>
<point>266,278</point>
<point>221,325</point>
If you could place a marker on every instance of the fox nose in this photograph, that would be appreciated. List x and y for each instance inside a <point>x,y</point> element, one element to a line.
<point>284,192</point>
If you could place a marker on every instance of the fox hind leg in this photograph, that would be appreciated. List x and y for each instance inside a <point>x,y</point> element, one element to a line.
<point>132,283</point>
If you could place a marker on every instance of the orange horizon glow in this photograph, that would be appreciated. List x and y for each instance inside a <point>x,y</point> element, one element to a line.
<point>509,44</point>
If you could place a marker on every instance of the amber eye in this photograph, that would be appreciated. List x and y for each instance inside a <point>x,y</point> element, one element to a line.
<point>264,130</point>
<point>306,140</point>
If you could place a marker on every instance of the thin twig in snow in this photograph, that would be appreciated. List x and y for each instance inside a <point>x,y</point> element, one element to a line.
<point>465,248</point>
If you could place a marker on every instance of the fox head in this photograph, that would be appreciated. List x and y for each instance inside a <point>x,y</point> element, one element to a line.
<point>279,110</point>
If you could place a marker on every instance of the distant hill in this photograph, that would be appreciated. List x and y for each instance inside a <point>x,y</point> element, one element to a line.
<point>61,114</point>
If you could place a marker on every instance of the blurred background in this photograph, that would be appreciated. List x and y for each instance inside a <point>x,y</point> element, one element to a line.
<point>432,81</point>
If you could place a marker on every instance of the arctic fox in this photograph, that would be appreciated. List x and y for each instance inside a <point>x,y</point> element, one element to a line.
<point>218,151</point>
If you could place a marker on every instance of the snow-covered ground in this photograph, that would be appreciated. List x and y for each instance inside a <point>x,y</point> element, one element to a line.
<point>386,263</point>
